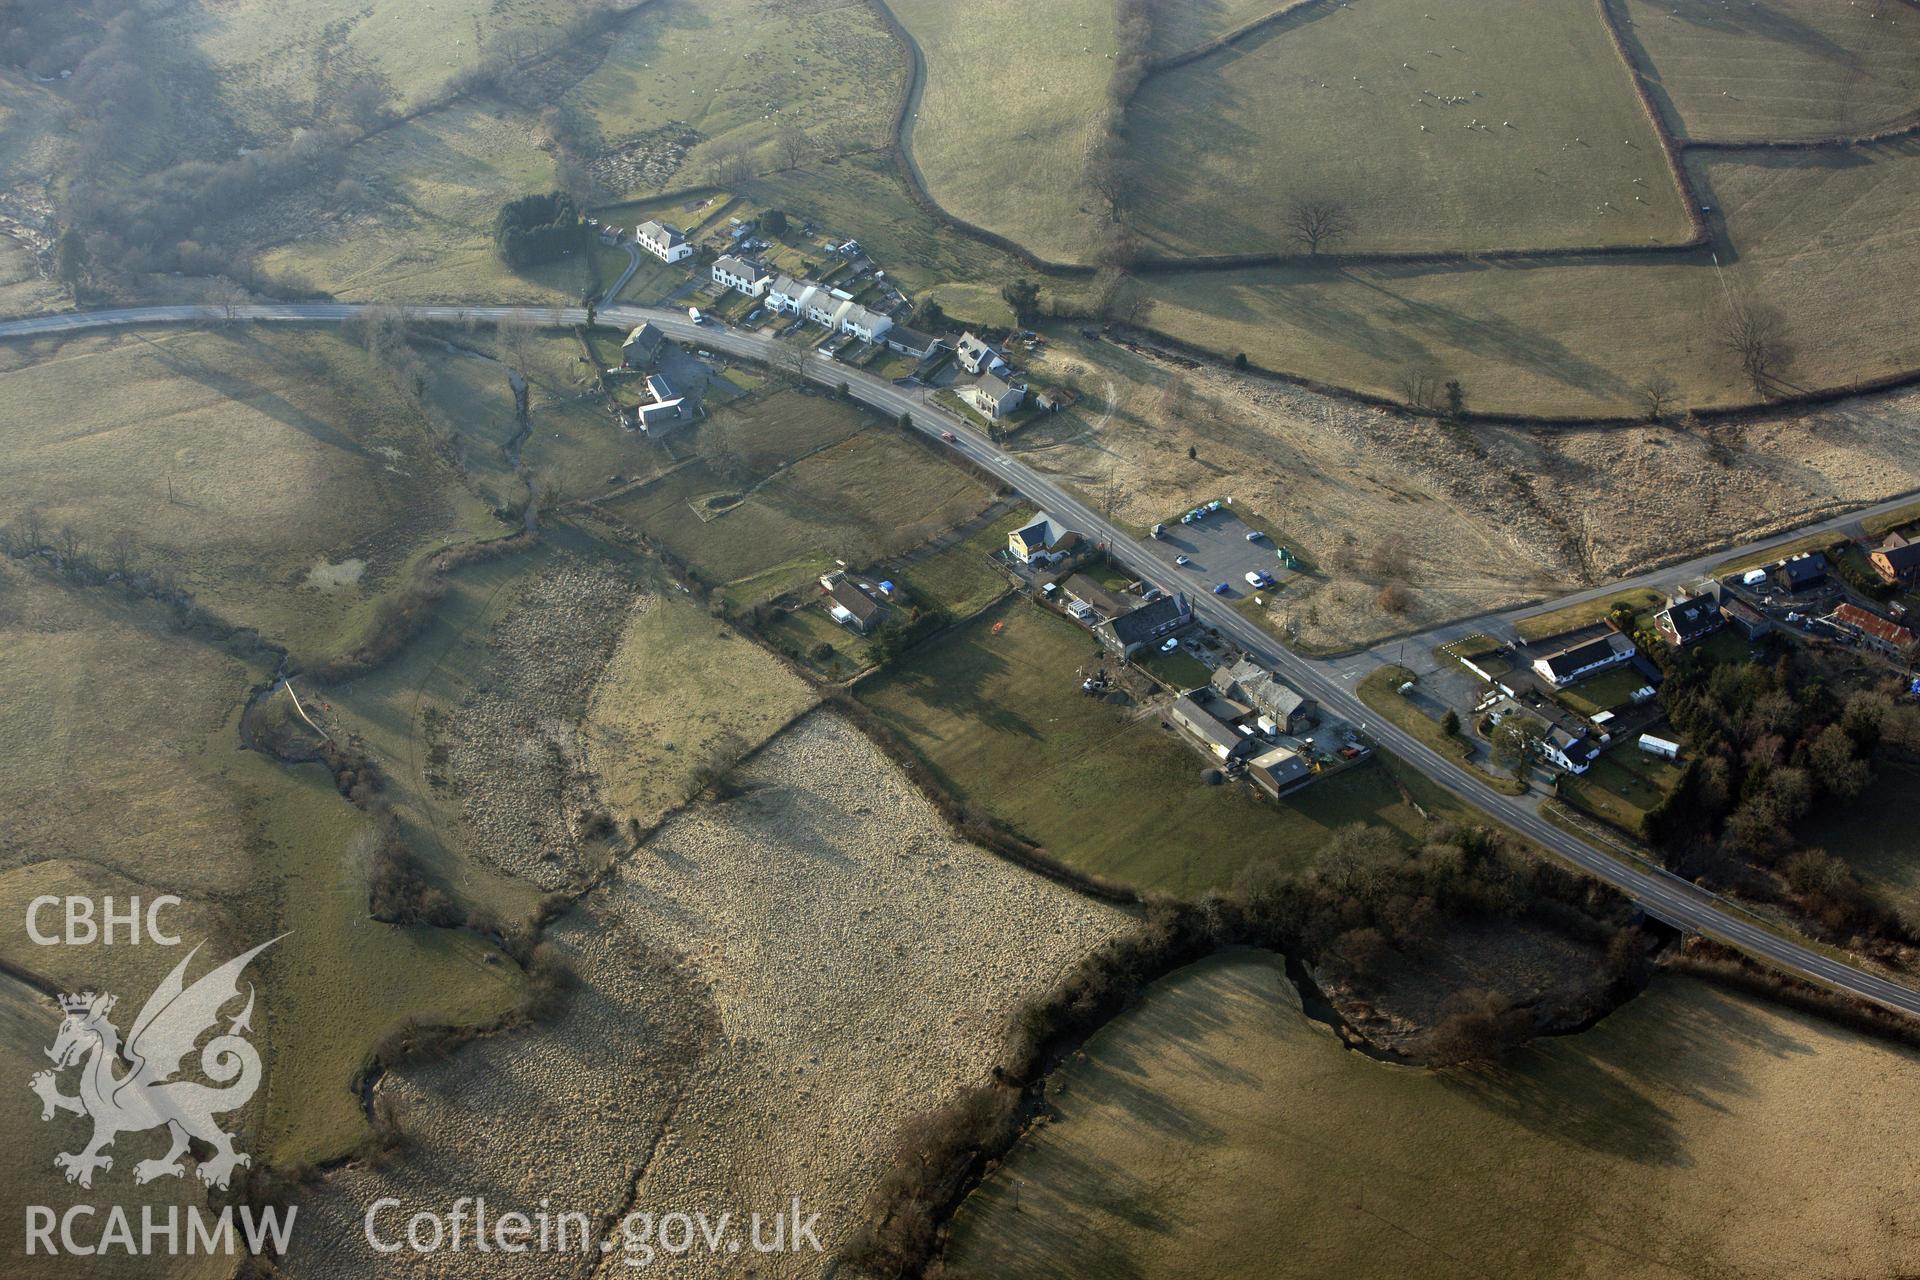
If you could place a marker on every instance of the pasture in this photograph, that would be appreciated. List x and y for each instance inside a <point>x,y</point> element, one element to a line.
<point>1179,27</point>
<point>1779,68</point>
<point>1000,128</point>
<point>1622,786</point>
<point>1001,721</point>
<point>238,462</point>
<point>766,493</point>
<point>1694,1132</point>
<point>1504,124</point>
<point>1873,834</point>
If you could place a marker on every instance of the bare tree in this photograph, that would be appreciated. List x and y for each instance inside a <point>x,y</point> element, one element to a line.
<point>1756,333</point>
<point>1656,394</point>
<point>1316,223</point>
<point>120,553</point>
<point>1422,386</point>
<point>69,540</point>
<point>791,353</point>
<point>1118,297</point>
<point>33,531</point>
<point>730,165</point>
<point>1176,399</point>
<point>514,342</point>
<point>793,146</point>
<point>227,297</point>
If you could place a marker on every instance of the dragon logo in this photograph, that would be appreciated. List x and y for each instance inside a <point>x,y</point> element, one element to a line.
<point>145,1095</point>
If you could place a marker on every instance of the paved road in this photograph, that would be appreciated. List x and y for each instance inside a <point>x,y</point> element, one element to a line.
<point>1667,897</point>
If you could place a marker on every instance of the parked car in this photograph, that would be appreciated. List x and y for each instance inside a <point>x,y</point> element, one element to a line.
<point>1173,642</point>
<point>1349,753</point>
<point>1255,578</point>
<point>1182,561</point>
<point>1221,588</point>
<point>1254,535</point>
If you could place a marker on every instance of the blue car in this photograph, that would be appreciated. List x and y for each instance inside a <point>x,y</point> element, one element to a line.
<point>1221,588</point>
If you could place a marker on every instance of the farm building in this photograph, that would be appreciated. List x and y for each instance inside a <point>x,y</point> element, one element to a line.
<point>1800,572</point>
<point>1871,629</point>
<point>1662,747</point>
<point>1579,661</point>
<point>1290,710</point>
<point>1747,620</point>
<point>642,347</point>
<point>1897,561</point>
<point>1145,625</point>
<point>1278,769</point>
<point>665,407</point>
<point>1687,620</point>
<point>1043,540</point>
<point>744,274</point>
<point>663,240</point>
<point>1195,714</point>
<point>853,603</point>
<point>994,396</point>
<point>975,355</point>
<point>1084,590</point>
<point>1054,399</point>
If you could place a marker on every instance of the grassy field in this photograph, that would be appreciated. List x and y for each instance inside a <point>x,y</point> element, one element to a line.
<point>1330,104</point>
<point>774,489</point>
<point>1380,690</point>
<point>1541,626</point>
<point>119,769</point>
<point>275,473</point>
<point>1622,786</point>
<point>1000,718</point>
<point>1604,692</point>
<point>683,692</point>
<point>1779,68</point>
<point>1692,1133</point>
<point>1000,129</point>
<point>1178,27</point>
<point>1814,234</point>
<point>960,576</point>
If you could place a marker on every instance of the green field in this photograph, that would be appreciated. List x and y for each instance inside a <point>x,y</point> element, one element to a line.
<point>1542,626</point>
<point>1622,786</point>
<point>1604,692</point>
<point>1000,128</point>
<point>1779,68</point>
<point>1178,27</point>
<point>773,490</point>
<point>1330,104</point>
<point>960,576</point>
<point>1215,1129</point>
<point>1002,722</point>
<point>276,474</point>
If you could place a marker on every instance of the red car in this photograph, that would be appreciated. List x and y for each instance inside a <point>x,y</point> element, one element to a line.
<point>1349,753</point>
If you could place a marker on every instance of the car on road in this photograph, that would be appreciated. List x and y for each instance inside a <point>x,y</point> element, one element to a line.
<point>1182,561</point>
<point>1221,588</point>
<point>949,437</point>
<point>1173,642</point>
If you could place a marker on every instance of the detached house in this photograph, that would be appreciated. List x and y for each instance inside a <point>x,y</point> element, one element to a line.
<point>1897,561</point>
<point>642,347</point>
<point>1800,572</point>
<point>850,602</point>
<point>1688,620</point>
<point>994,396</point>
<point>1146,625</point>
<point>663,240</point>
<point>1043,540</point>
<point>1565,749</point>
<point>1286,708</point>
<point>976,356</point>
<point>1579,661</point>
<point>744,274</point>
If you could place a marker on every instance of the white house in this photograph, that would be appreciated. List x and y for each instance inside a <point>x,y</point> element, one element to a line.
<point>1582,660</point>
<point>994,396</point>
<point>663,240</point>
<point>744,274</point>
<point>1574,752</point>
<point>830,308</point>
<point>976,356</point>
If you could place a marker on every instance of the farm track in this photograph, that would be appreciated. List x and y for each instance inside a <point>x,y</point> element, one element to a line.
<point>1666,897</point>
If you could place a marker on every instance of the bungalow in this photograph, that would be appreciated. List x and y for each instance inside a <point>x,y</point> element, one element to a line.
<point>1054,399</point>
<point>744,274</point>
<point>911,342</point>
<point>976,356</point>
<point>850,604</point>
<point>663,240</point>
<point>642,347</point>
<point>1579,661</point>
<point>1897,561</point>
<point>1800,572</point>
<point>1877,632</point>
<point>1566,749</point>
<point>994,397</point>
<point>1278,769</point>
<point>1290,710</point>
<point>1042,540</point>
<point>1689,619</point>
<point>1193,713</point>
<point>1145,624</point>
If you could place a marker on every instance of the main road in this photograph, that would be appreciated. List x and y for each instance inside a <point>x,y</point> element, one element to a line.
<point>1666,897</point>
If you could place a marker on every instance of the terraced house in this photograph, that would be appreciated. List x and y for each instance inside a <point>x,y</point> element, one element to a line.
<point>829,308</point>
<point>745,274</point>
